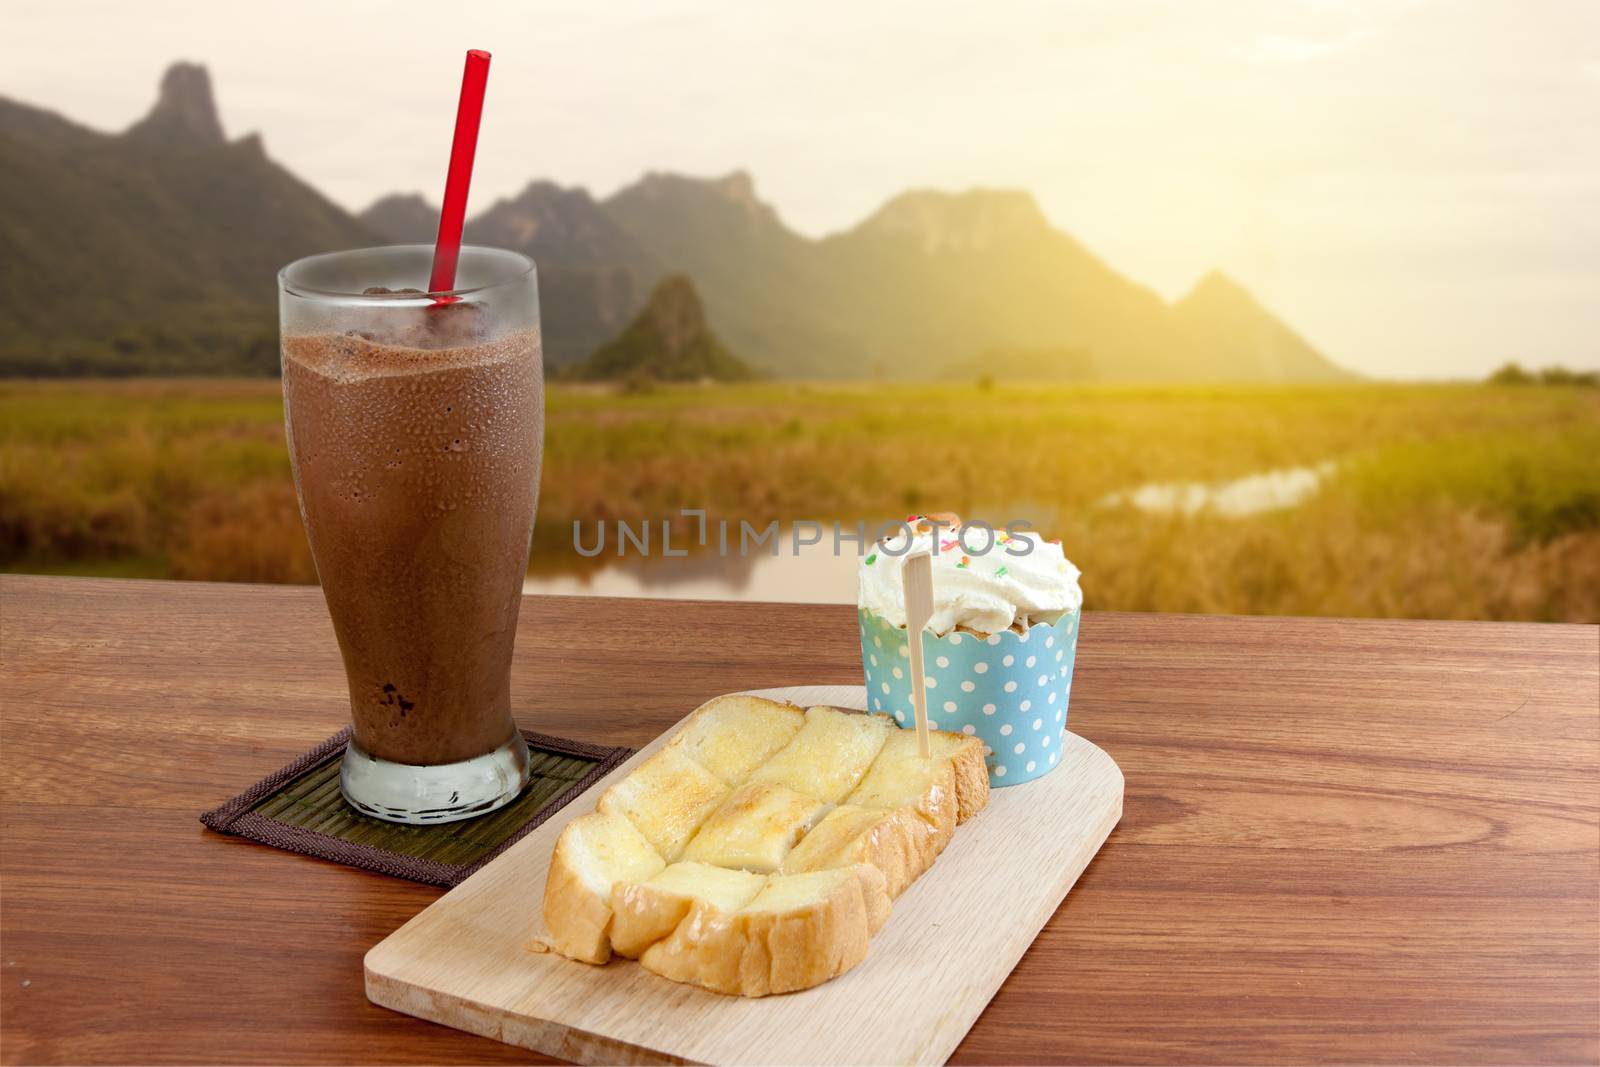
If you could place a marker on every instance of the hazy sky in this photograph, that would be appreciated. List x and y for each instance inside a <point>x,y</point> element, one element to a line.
<point>1413,184</point>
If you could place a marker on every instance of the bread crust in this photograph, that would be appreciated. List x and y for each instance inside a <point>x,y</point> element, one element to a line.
<point>577,915</point>
<point>575,920</point>
<point>971,780</point>
<point>905,845</point>
<point>965,756</point>
<point>756,953</point>
<point>645,912</point>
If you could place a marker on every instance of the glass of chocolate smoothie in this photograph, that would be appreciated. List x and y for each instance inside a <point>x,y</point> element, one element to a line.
<point>415,427</point>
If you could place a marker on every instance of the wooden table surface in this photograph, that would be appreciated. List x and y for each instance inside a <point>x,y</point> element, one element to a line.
<point>1343,840</point>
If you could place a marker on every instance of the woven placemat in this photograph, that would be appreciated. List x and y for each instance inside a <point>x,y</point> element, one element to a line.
<point>300,808</point>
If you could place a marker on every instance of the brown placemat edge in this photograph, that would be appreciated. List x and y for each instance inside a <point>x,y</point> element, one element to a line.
<point>222,817</point>
<point>236,818</point>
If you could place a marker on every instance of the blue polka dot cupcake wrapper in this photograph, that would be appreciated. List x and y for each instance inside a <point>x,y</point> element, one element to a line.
<point>1010,690</point>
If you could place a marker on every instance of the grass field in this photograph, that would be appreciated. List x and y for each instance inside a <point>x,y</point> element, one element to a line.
<point>1447,501</point>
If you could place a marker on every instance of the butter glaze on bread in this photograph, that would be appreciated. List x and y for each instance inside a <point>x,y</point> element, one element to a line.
<point>755,827</point>
<point>947,788</point>
<point>730,736</point>
<point>904,812</point>
<point>770,882</point>
<point>830,754</point>
<point>667,797</point>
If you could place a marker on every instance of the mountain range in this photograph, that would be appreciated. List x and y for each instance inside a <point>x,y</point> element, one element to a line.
<point>154,250</point>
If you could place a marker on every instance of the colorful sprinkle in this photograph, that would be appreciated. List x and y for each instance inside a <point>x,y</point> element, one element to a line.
<point>945,546</point>
<point>1001,573</point>
<point>872,559</point>
<point>964,562</point>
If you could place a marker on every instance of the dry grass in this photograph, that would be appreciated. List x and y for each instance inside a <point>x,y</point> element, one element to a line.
<point>1449,501</point>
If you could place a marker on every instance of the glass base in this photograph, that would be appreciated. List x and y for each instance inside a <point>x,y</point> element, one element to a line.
<point>424,796</point>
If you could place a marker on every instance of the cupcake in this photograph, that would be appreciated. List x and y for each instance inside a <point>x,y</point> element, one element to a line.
<point>998,650</point>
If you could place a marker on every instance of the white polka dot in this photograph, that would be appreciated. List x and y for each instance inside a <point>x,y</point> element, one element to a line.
<point>873,660</point>
<point>1031,765</point>
<point>898,673</point>
<point>967,687</point>
<point>877,704</point>
<point>1025,705</point>
<point>1038,724</point>
<point>1010,687</point>
<point>949,705</point>
<point>1031,660</point>
<point>905,651</point>
<point>1046,742</point>
<point>1005,730</point>
<point>1044,680</point>
<point>1008,661</point>
<point>1059,654</point>
<point>1052,699</point>
<point>1058,716</point>
<point>969,729</point>
<point>988,709</point>
<point>994,639</point>
<point>1019,747</point>
<point>877,642</point>
<point>885,687</point>
<point>1023,637</point>
<point>932,725</point>
<point>980,668</point>
<point>1063,672</point>
<point>899,716</point>
<point>930,683</point>
<point>1052,759</point>
<point>955,639</point>
<point>987,751</point>
<point>1050,641</point>
<point>943,661</point>
<point>1000,770</point>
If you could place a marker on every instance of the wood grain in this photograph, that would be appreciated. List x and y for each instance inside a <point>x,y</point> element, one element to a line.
<point>1343,841</point>
<point>934,965</point>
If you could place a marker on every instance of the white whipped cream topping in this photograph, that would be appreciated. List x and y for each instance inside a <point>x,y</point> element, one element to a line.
<point>987,593</point>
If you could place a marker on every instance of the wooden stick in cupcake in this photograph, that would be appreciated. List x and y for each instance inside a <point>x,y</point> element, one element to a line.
<point>916,577</point>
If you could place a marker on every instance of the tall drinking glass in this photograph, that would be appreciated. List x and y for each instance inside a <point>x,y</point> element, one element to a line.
<point>415,431</point>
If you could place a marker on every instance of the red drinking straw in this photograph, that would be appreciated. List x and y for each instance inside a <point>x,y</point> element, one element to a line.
<point>453,215</point>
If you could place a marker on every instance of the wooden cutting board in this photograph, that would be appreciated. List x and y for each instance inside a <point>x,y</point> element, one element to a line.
<point>951,941</point>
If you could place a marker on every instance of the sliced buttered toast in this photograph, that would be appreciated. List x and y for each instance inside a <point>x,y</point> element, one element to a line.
<point>759,849</point>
